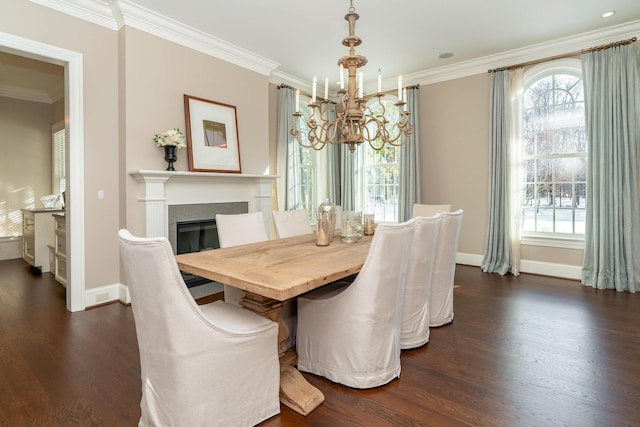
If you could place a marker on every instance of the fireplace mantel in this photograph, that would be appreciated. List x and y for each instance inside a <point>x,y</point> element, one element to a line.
<point>158,189</point>
<point>142,174</point>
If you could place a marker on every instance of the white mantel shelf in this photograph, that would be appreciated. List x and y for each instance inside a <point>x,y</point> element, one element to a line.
<point>143,173</point>
<point>160,188</point>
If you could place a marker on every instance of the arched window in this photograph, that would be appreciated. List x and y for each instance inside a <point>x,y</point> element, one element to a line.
<point>554,152</point>
<point>378,170</point>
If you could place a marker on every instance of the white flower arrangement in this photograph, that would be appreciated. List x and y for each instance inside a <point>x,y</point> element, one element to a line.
<point>170,137</point>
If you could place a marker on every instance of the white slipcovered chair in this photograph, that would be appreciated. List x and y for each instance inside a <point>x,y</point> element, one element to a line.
<point>429,210</point>
<point>291,223</point>
<point>213,364</point>
<point>235,230</point>
<point>444,269</point>
<point>350,332</point>
<point>414,330</point>
<point>242,229</point>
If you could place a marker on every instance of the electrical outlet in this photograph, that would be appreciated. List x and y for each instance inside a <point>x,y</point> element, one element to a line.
<point>102,297</point>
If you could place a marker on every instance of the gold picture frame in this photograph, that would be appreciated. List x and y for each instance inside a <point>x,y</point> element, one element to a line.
<point>212,136</point>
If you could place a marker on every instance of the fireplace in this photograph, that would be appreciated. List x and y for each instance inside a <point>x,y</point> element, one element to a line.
<point>196,236</point>
<point>195,216</point>
<point>192,228</point>
<point>169,197</point>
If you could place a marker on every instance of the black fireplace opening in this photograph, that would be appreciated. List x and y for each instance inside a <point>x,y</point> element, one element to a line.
<point>196,236</point>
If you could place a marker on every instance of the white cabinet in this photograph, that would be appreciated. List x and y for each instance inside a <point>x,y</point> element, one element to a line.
<point>60,262</point>
<point>37,235</point>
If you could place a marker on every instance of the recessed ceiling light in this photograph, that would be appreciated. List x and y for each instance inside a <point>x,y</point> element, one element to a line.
<point>608,14</point>
<point>445,55</point>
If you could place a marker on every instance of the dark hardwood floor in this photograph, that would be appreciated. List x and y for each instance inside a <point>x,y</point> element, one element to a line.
<point>522,351</point>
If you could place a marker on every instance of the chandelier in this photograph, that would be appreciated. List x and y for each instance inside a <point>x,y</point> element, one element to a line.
<point>353,123</point>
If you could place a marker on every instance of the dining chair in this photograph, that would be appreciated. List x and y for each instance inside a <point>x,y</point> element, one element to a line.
<point>429,210</point>
<point>291,223</point>
<point>414,330</point>
<point>235,230</point>
<point>444,269</point>
<point>349,332</point>
<point>241,229</point>
<point>200,364</point>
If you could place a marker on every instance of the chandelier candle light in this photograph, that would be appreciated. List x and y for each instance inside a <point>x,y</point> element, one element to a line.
<point>353,123</point>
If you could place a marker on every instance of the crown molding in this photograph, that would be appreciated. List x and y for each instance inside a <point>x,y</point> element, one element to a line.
<point>56,92</point>
<point>119,13</point>
<point>115,14</point>
<point>94,11</point>
<point>15,92</point>
<point>279,77</point>
<point>529,53</point>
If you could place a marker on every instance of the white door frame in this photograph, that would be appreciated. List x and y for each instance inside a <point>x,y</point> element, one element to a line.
<point>74,130</point>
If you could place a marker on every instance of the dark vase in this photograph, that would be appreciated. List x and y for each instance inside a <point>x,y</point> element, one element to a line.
<point>170,155</point>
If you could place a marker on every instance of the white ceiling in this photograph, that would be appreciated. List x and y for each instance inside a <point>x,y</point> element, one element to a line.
<point>304,39</point>
<point>405,37</point>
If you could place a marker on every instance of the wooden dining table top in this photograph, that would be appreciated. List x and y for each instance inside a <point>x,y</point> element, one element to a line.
<point>281,268</point>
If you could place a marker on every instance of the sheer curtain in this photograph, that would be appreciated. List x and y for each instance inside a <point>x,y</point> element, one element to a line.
<point>612,235</point>
<point>409,181</point>
<point>286,158</point>
<point>502,245</point>
<point>348,179</point>
<point>334,167</point>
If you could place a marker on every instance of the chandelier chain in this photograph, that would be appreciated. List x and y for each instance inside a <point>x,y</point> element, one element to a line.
<point>354,122</point>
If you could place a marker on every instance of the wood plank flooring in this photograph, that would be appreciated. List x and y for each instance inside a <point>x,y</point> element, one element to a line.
<point>522,351</point>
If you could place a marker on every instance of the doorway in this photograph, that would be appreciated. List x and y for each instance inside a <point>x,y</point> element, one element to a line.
<point>72,63</point>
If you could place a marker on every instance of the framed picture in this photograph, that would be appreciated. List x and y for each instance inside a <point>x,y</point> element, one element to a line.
<point>212,136</point>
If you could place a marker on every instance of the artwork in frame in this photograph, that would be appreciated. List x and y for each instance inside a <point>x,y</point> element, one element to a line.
<point>212,136</point>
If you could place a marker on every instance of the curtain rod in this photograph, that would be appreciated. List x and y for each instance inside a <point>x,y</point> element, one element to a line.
<point>565,55</point>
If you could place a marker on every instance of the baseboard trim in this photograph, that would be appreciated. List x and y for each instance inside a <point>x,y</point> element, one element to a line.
<point>10,248</point>
<point>106,294</point>
<point>564,271</point>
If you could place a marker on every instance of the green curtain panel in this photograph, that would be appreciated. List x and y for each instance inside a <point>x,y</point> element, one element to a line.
<point>409,181</point>
<point>497,250</point>
<point>333,166</point>
<point>285,145</point>
<point>612,235</point>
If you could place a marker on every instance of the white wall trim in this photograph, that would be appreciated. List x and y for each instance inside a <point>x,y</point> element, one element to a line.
<point>10,91</point>
<point>528,53</point>
<point>123,294</point>
<point>119,13</point>
<point>564,271</point>
<point>73,66</point>
<point>10,248</point>
<point>106,294</point>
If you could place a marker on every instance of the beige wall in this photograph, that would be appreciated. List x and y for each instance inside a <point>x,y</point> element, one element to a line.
<point>133,88</point>
<point>99,49</point>
<point>454,127</point>
<point>157,74</point>
<point>25,163</point>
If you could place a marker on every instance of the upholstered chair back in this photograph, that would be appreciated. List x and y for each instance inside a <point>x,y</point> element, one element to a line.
<point>414,331</point>
<point>444,269</point>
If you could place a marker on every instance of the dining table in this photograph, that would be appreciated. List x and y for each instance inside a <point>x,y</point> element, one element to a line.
<point>273,272</point>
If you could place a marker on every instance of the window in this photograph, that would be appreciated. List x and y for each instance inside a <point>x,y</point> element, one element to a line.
<point>554,153</point>
<point>58,171</point>
<point>378,173</point>
<point>303,176</point>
